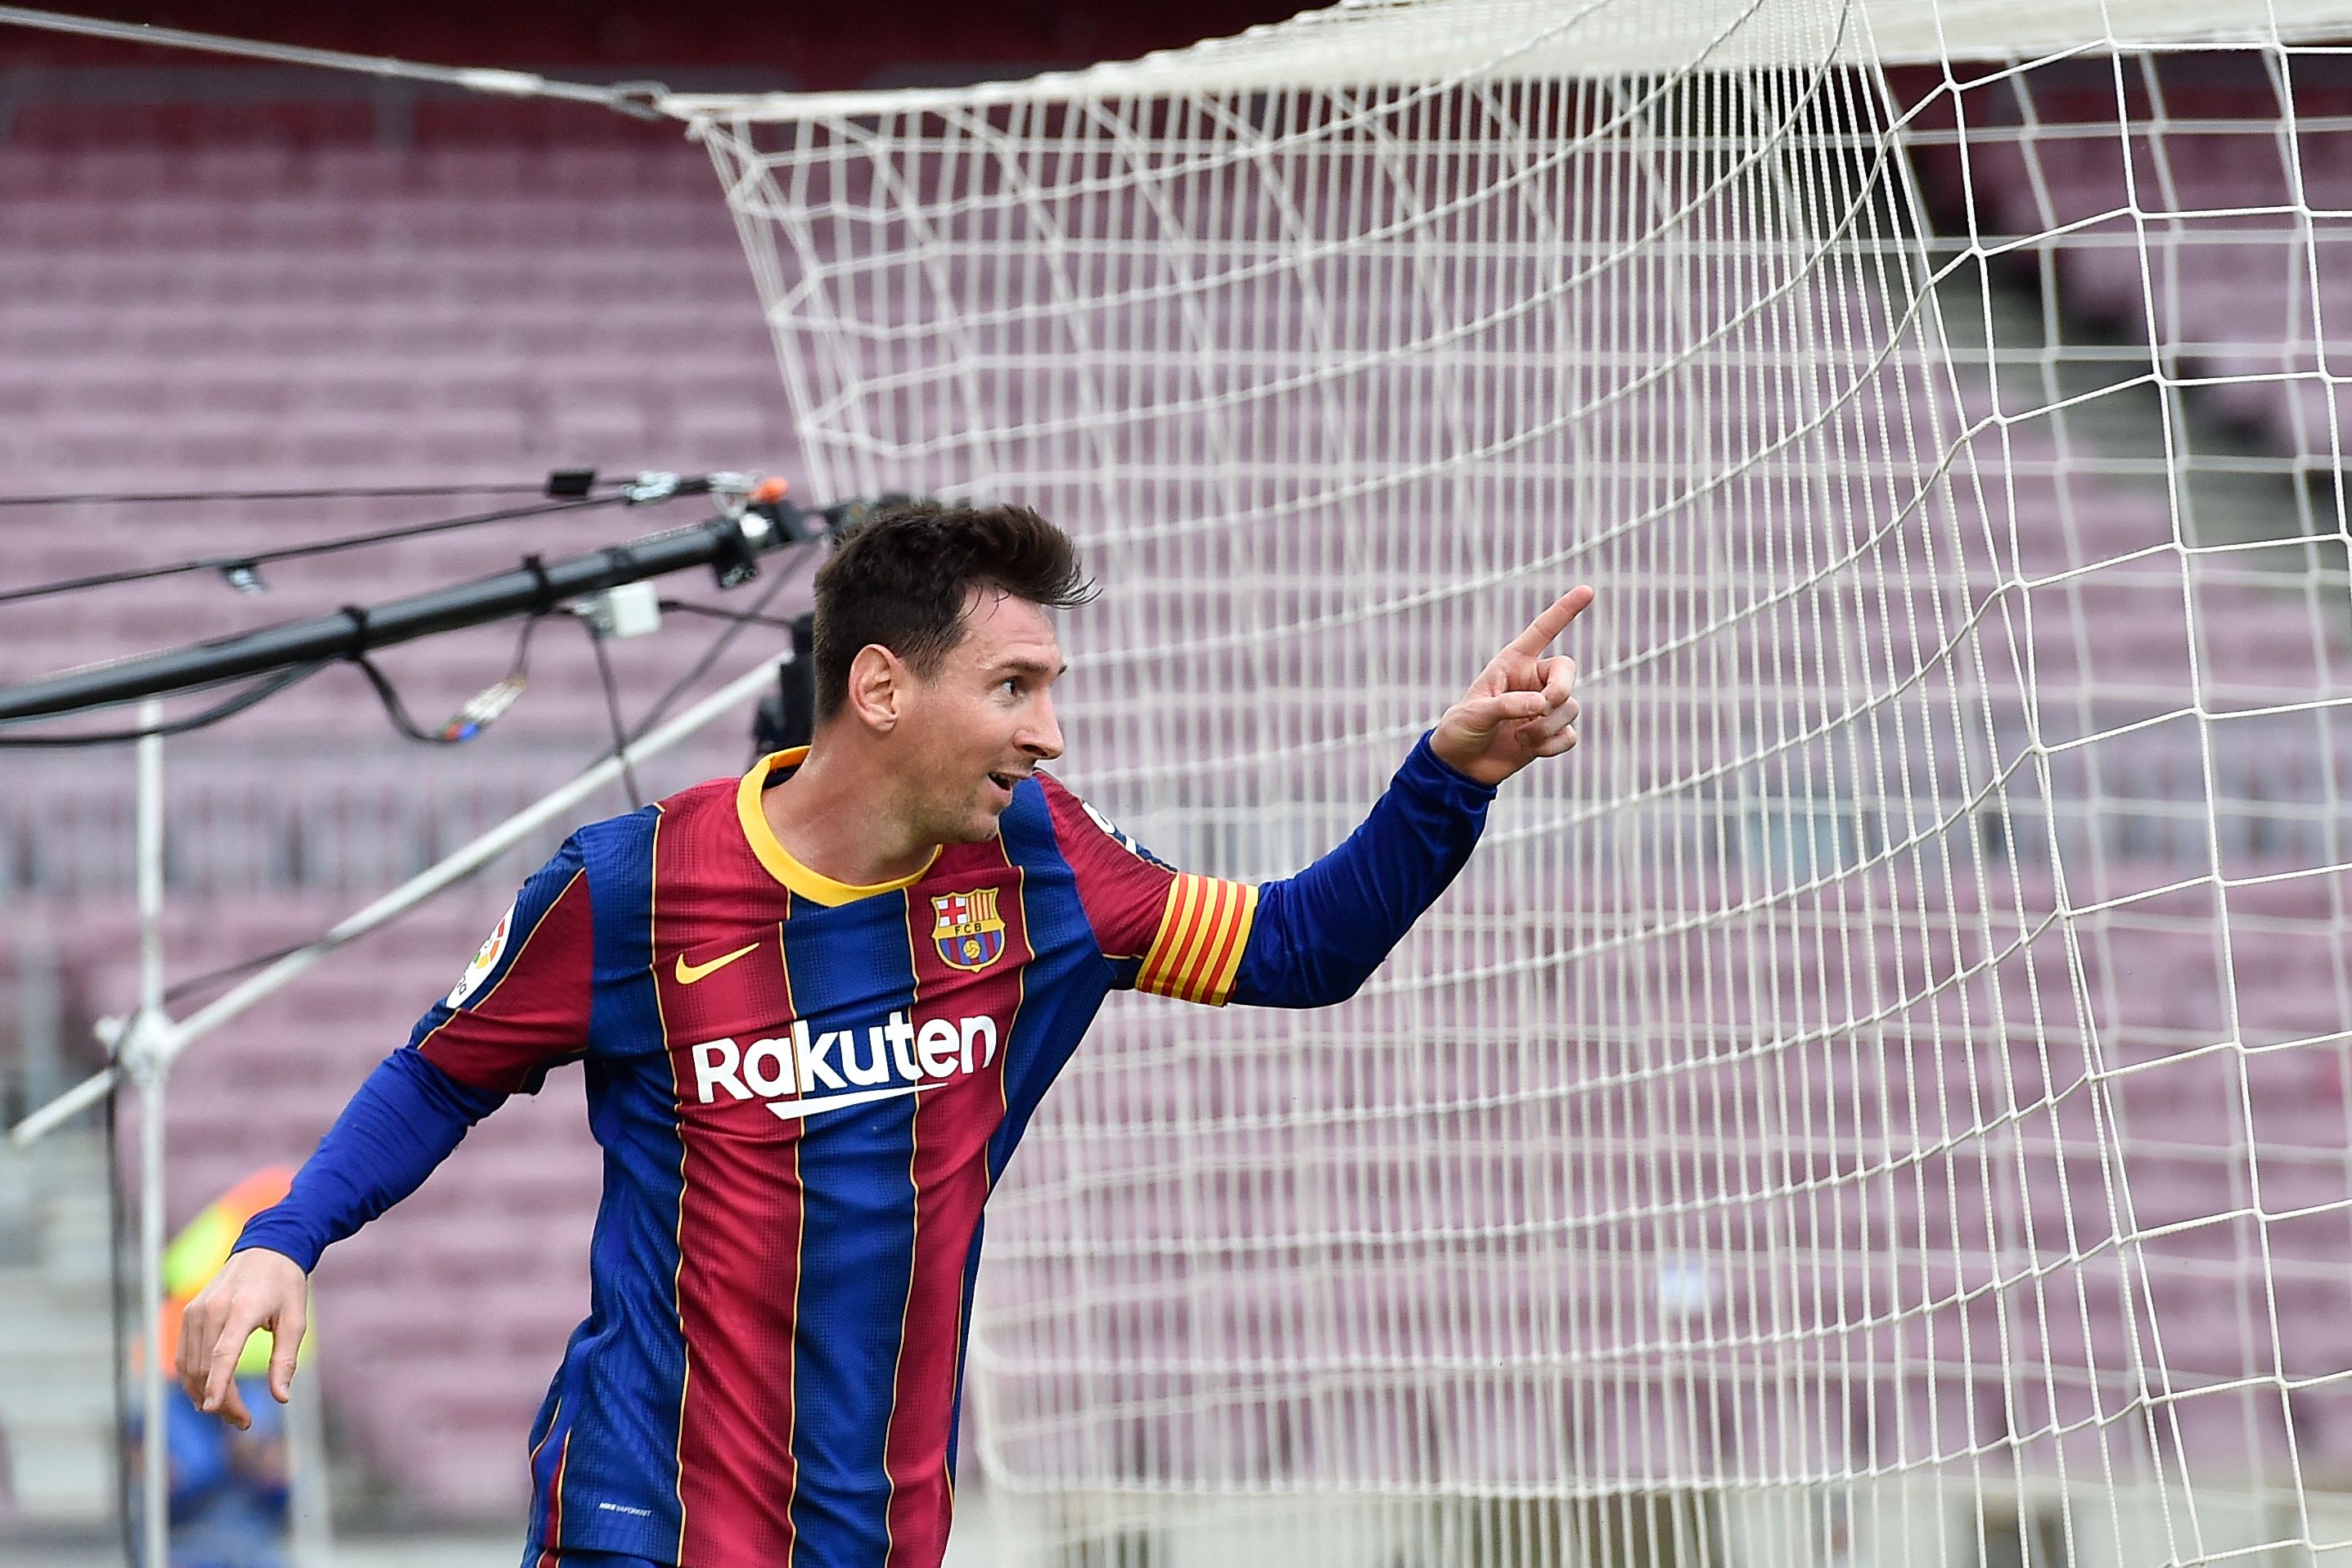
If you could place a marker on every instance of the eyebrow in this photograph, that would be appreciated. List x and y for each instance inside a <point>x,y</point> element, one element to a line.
<point>1033,667</point>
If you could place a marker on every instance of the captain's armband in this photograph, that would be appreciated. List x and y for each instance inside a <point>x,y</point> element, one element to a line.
<point>1198,949</point>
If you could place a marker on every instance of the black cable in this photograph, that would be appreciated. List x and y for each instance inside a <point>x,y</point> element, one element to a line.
<point>482,708</point>
<point>385,691</point>
<point>721,612</point>
<point>393,707</point>
<point>347,492</point>
<point>519,668</point>
<point>622,739</point>
<point>266,686</point>
<point>389,696</point>
<point>783,575</point>
<point>237,970</point>
<point>397,711</point>
<point>294,551</point>
<point>270,685</point>
<point>613,712</point>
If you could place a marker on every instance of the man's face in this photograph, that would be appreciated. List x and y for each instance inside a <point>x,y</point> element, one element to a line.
<point>983,721</point>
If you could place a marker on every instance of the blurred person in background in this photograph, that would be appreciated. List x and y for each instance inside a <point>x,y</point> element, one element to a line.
<point>230,1489</point>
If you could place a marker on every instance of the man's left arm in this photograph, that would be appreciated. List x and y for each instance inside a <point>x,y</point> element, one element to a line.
<point>1318,936</point>
<point>1313,938</point>
<point>1320,933</point>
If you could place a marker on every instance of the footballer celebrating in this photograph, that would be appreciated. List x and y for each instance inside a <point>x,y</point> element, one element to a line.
<point>817,1007</point>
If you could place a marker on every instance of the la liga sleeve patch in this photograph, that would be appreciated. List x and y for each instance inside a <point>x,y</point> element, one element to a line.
<point>524,1001</point>
<point>485,962</point>
<point>1119,835</point>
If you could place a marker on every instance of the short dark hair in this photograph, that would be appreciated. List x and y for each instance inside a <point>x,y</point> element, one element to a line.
<point>901,577</point>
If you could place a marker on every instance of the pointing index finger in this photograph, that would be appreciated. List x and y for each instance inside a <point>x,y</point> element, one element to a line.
<point>1553,621</point>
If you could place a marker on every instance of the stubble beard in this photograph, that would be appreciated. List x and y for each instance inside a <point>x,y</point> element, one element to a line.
<point>974,822</point>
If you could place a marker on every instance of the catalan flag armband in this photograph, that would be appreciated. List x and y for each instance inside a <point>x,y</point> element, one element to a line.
<point>1198,951</point>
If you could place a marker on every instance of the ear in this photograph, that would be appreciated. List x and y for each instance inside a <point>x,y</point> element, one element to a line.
<point>877,688</point>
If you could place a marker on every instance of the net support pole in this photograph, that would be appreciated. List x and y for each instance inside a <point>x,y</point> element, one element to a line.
<point>157,1032</point>
<point>309,1502</point>
<point>149,1067</point>
<point>638,99</point>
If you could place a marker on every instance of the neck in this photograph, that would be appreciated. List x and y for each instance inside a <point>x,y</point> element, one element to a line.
<point>833,816</point>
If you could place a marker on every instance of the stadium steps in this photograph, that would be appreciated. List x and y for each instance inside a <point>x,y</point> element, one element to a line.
<point>56,1376</point>
<point>2225,441</point>
<point>2124,425</point>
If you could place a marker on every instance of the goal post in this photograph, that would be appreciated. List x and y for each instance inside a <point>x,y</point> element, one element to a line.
<point>1882,1100</point>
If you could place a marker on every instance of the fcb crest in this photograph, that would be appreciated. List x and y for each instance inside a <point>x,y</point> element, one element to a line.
<point>966,928</point>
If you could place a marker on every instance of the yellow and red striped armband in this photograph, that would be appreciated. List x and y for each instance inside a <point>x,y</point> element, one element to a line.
<point>1202,931</point>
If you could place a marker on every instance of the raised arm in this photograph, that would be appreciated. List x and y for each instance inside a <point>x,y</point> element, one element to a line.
<point>1319,935</point>
<point>1313,938</point>
<point>520,1007</point>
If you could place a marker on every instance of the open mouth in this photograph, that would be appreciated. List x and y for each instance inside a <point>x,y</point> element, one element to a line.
<point>1006,781</point>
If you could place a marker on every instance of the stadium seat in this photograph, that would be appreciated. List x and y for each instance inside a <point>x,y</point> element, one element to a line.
<point>357,315</point>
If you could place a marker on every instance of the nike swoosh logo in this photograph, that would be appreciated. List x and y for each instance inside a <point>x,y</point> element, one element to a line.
<point>688,974</point>
<point>793,1109</point>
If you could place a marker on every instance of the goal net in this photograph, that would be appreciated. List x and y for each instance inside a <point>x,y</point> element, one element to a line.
<point>1881,1098</point>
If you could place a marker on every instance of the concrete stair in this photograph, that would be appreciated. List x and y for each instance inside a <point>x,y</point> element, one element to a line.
<point>56,1366</point>
<point>2174,445</point>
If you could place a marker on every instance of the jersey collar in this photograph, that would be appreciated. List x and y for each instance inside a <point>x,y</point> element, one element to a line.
<point>813,886</point>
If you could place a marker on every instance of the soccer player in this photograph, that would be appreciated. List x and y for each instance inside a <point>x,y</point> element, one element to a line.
<point>817,1007</point>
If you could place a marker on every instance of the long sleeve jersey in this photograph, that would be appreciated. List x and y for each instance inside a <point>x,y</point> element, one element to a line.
<point>804,1091</point>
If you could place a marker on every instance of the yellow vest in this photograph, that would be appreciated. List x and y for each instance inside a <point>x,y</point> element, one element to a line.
<point>197,1253</point>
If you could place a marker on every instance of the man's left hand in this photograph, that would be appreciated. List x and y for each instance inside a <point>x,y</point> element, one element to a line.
<point>1522,706</point>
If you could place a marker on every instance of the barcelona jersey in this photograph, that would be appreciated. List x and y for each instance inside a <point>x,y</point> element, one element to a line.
<point>804,1091</point>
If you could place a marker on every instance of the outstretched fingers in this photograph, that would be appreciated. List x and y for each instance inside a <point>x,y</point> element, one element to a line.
<point>1556,620</point>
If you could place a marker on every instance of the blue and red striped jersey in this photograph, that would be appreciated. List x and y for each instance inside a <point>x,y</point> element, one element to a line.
<point>804,1091</point>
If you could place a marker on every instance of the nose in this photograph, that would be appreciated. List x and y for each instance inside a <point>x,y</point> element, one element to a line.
<point>1041,736</point>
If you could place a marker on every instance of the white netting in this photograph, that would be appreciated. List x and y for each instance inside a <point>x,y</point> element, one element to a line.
<point>1882,1100</point>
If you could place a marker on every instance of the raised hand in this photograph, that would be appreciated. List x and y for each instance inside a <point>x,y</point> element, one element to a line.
<point>1522,706</point>
<point>256,1289</point>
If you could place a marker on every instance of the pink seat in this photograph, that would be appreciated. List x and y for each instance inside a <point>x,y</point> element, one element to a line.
<point>1810,1138</point>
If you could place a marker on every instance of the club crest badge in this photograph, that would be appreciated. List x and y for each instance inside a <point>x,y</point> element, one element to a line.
<point>966,929</point>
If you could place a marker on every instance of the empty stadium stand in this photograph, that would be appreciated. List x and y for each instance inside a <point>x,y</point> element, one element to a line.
<point>2198,225</point>
<point>191,317</point>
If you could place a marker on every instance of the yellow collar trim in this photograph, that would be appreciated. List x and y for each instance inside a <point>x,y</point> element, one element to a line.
<point>815,886</point>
